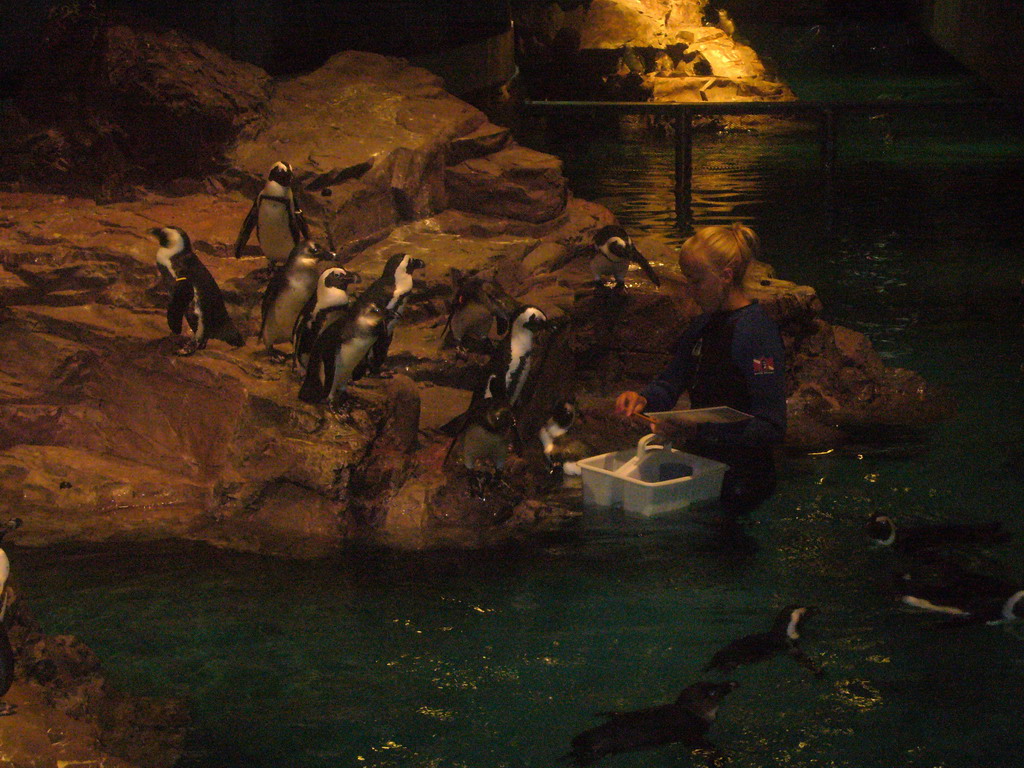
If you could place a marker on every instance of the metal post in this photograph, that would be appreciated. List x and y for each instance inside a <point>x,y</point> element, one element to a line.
<point>684,167</point>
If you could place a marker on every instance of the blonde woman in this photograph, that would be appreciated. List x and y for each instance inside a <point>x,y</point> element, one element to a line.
<point>732,355</point>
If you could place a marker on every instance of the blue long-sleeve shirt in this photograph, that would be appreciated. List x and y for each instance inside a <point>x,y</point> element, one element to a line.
<point>731,358</point>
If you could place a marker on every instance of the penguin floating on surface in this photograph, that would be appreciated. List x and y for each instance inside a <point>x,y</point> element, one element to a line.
<point>562,451</point>
<point>320,310</point>
<point>783,637</point>
<point>276,217</point>
<point>288,291</point>
<point>615,252</point>
<point>339,352</point>
<point>476,306</point>
<point>917,539</point>
<point>685,721</point>
<point>194,293</point>
<point>389,292</point>
<point>6,651</point>
<point>966,596</point>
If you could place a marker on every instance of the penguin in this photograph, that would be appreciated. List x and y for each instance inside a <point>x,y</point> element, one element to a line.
<point>486,430</point>
<point>686,721</point>
<point>276,216</point>
<point>288,291</point>
<point>725,22</point>
<point>562,452</point>
<point>476,306</point>
<point>321,308</point>
<point>195,295</point>
<point>918,539</point>
<point>389,292</point>
<point>783,637</point>
<point>339,351</point>
<point>6,651</point>
<point>615,251</point>
<point>967,597</point>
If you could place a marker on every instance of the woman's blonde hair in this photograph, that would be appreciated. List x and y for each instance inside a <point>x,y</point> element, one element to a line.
<point>724,246</point>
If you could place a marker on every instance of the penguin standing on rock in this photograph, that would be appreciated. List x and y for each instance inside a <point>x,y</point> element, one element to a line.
<point>783,637</point>
<point>685,721</point>
<point>288,291</point>
<point>339,353</point>
<point>194,293</point>
<point>916,539</point>
<point>476,306</point>
<point>276,217</point>
<point>561,450</point>
<point>486,431</point>
<point>6,652</point>
<point>324,306</point>
<point>615,252</point>
<point>389,292</point>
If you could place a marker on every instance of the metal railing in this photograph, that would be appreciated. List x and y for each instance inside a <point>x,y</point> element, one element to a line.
<point>827,113</point>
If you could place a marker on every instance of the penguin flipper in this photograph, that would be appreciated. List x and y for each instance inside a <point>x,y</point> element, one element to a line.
<point>274,288</point>
<point>229,334</point>
<point>312,390</point>
<point>297,220</point>
<point>248,225</point>
<point>178,306</point>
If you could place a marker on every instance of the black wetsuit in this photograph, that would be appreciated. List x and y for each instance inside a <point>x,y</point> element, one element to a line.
<point>733,358</point>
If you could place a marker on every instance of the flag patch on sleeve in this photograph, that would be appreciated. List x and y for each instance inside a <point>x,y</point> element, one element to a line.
<point>764,365</point>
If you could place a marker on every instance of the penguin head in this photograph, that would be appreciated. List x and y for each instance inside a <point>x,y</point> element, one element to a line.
<point>531,319</point>
<point>172,238</point>
<point>338,278</point>
<point>498,416</point>
<point>306,254</point>
<point>882,529</point>
<point>412,264</point>
<point>370,316</point>
<point>613,241</point>
<point>703,698</point>
<point>565,414</point>
<point>11,525</point>
<point>281,173</point>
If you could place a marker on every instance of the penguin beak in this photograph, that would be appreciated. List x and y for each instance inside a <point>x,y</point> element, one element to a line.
<point>638,258</point>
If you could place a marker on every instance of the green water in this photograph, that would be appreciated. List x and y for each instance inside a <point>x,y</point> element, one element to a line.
<point>497,658</point>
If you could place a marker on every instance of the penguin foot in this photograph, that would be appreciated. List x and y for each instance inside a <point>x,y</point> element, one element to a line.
<point>187,349</point>
<point>8,709</point>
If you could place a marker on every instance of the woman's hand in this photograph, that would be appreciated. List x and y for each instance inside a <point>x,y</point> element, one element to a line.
<point>629,403</point>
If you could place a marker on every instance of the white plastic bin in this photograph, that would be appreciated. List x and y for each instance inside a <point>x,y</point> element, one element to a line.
<point>652,480</point>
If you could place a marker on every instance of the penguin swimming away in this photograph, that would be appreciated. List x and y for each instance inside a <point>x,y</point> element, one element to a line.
<point>560,450</point>
<point>288,291</point>
<point>194,293</point>
<point>615,252</point>
<point>6,652</point>
<point>276,216</point>
<point>967,597</point>
<point>320,310</point>
<point>486,431</point>
<point>783,637</point>
<point>920,538</point>
<point>389,292</point>
<point>475,307</point>
<point>339,352</point>
<point>686,721</point>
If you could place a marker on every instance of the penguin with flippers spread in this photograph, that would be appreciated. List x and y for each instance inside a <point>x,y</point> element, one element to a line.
<point>276,217</point>
<point>6,651</point>
<point>685,721</point>
<point>783,637</point>
<point>195,296</point>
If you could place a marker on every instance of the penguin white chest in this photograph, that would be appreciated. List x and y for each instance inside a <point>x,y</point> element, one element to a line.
<point>284,310</point>
<point>273,228</point>
<point>519,365</point>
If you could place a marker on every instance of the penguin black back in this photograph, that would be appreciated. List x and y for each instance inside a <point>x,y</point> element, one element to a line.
<point>783,637</point>
<point>920,539</point>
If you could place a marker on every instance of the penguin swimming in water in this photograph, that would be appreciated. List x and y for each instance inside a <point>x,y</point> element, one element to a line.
<point>194,293</point>
<point>783,637</point>
<point>288,291</point>
<point>685,721</point>
<point>615,252</point>
<point>963,595</point>
<point>918,539</point>
<point>476,306</point>
<point>276,217</point>
<point>6,652</point>
<point>389,292</point>
<point>562,451</point>
<point>320,310</point>
<point>339,353</point>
